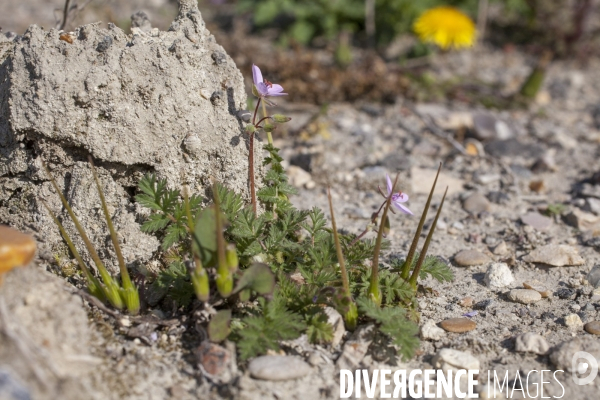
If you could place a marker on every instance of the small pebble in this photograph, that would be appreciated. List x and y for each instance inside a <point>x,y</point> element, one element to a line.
<point>450,359</point>
<point>555,255</point>
<point>538,287</point>
<point>498,275</point>
<point>530,342</point>
<point>500,249</point>
<point>537,220</point>
<point>573,321</point>
<point>458,325</point>
<point>314,359</point>
<point>524,296</point>
<point>592,327</point>
<point>566,293</point>
<point>430,331</point>
<point>278,368</point>
<point>476,203</point>
<point>466,302</point>
<point>594,276</point>
<point>467,258</point>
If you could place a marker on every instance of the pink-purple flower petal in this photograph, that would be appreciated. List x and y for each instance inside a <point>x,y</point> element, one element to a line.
<point>257,76</point>
<point>389,184</point>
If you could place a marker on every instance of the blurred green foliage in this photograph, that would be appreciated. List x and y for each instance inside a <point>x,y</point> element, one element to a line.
<point>302,21</point>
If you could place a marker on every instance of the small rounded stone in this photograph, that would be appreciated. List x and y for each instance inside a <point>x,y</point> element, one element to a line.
<point>524,296</point>
<point>278,368</point>
<point>476,203</point>
<point>458,325</point>
<point>16,249</point>
<point>592,327</point>
<point>467,258</point>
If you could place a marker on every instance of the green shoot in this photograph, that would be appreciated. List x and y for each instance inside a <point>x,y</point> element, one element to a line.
<point>352,314</point>
<point>129,292</point>
<point>417,270</point>
<point>111,288</point>
<point>413,247</point>
<point>94,285</point>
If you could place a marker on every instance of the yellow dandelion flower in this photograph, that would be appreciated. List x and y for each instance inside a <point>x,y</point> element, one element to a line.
<point>445,26</point>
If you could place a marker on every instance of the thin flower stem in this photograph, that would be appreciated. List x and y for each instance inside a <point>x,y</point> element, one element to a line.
<point>251,160</point>
<point>374,290</point>
<point>269,136</point>
<point>368,229</point>
<point>251,173</point>
<point>255,112</point>
<point>261,120</point>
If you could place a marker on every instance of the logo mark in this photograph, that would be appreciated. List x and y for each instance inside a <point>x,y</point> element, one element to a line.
<point>580,367</point>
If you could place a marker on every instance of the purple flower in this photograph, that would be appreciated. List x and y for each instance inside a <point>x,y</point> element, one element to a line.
<point>398,198</point>
<point>263,86</point>
<point>470,314</point>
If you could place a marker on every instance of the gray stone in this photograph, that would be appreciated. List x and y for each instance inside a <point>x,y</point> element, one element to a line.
<point>593,277</point>
<point>537,220</point>
<point>430,331</point>
<point>530,342</point>
<point>524,296</point>
<point>593,205</point>
<point>335,319</point>
<point>500,249</point>
<point>476,203</point>
<point>139,19</point>
<point>555,255</point>
<point>356,347</point>
<point>487,127</point>
<point>130,103</point>
<point>467,258</point>
<point>582,220</point>
<point>45,337</point>
<point>278,368</point>
<point>498,275</point>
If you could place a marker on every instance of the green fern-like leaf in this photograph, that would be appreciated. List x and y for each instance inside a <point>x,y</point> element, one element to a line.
<point>261,333</point>
<point>319,330</point>
<point>393,322</point>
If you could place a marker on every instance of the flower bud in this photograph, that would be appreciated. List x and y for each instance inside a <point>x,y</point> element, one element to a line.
<point>250,129</point>
<point>232,257</point>
<point>200,283</point>
<point>269,127</point>
<point>224,284</point>
<point>280,118</point>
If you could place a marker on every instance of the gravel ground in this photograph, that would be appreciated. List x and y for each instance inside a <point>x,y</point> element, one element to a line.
<point>518,181</point>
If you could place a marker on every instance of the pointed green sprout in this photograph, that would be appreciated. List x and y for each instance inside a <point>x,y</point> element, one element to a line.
<point>417,270</point>
<point>94,286</point>
<point>352,313</point>
<point>199,275</point>
<point>111,288</point>
<point>413,247</point>
<point>129,292</point>
<point>374,289</point>
<point>224,272</point>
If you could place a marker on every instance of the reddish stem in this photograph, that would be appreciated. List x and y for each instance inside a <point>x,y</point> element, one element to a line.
<point>251,160</point>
